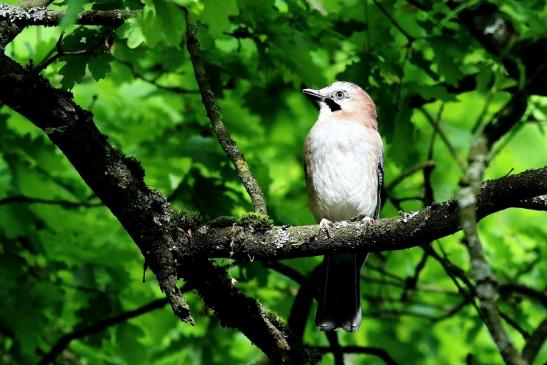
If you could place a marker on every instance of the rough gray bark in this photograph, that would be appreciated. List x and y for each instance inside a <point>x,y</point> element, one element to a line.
<point>397,233</point>
<point>9,30</point>
<point>146,215</point>
<point>162,234</point>
<point>39,15</point>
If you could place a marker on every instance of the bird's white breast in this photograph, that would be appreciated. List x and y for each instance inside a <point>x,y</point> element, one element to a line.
<point>342,167</point>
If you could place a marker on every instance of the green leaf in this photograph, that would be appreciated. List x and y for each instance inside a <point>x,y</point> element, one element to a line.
<point>74,7</point>
<point>100,66</point>
<point>215,15</point>
<point>73,71</point>
<point>131,349</point>
<point>132,31</point>
<point>150,24</point>
<point>172,20</point>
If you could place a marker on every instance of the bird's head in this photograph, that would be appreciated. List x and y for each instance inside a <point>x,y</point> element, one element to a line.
<point>344,101</point>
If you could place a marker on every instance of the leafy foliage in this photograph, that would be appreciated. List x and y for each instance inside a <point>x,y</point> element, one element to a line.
<point>67,266</point>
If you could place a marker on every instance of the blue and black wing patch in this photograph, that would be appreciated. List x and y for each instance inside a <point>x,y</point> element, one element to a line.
<point>380,171</point>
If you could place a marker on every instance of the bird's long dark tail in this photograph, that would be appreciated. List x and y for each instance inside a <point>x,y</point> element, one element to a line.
<point>339,304</point>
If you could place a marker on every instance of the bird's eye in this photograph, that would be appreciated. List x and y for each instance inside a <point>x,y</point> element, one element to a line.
<point>339,95</point>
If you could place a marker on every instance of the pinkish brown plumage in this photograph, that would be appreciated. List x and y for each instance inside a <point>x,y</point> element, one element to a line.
<point>344,173</point>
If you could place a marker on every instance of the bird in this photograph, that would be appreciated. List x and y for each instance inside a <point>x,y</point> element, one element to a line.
<point>344,166</point>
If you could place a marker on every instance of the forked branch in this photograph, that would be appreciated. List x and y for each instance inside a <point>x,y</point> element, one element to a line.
<point>213,112</point>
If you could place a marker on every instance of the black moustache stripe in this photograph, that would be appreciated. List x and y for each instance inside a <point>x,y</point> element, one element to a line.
<point>333,106</point>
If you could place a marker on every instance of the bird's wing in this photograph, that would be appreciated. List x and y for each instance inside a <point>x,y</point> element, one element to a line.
<point>380,171</point>
<point>306,159</point>
<point>309,185</point>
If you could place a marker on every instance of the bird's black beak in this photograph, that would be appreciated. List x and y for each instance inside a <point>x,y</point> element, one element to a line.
<point>313,94</point>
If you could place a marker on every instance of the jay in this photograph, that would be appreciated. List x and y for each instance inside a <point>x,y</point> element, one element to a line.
<point>344,174</point>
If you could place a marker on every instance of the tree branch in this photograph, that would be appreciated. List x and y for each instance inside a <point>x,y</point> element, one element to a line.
<point>507,289</point>
<point>86,330</point>
<point>369,350</point>
<point>408,172</point>
<point>213,112</point>
<point>466,84</point>
<point>335,348</point>
<point>387,234</point>
<point>484,277</point>
<point>236,310</point>
<point>115,178</point>
<point>437,129</point>
<point>302,303</point>
<point>137,74</point>
<point>22,17</point>
<point>410,38</point>
<point>535,342</point>
<point>9,30</point>
<point>146,215</point>
<point>22,199</point>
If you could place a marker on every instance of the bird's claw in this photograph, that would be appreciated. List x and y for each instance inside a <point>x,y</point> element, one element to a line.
<point>366,221</point>
<point>325,224</point>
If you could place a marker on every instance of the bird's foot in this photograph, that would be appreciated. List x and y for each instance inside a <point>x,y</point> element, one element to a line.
<point>325,224</point>
<point>366,221</point>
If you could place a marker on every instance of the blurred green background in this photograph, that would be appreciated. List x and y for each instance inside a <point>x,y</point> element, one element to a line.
<point>66,263</point>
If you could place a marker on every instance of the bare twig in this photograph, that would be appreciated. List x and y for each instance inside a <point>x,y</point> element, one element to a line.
<point>383,272</point>
<point>213,112</point>
<point>501,146</point>
<point>140,76</point>
<point>484,110</point>
<point>535,342</point>
<point>456,274</point>
<point>22,199</point>
<point>427,288</point>
<point>408,172</point>
<point>428,185</point>
<point>445,139</point>
<point>514,288</point>
<point>86,330</point>
<point>369,350</point>
<point>452,311</point>
<point>410,38</point>
<point>411,281</point>
<point>335,348</point>
<point>302,304</point>
<point>514,323</point>
<point>59,52</point>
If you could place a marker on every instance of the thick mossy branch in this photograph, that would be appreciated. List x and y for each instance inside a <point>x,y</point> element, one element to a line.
<point>213,112</point>
<point>156,228</point>
<point>115,178</point>
<point>408,230</point>
<point>41,16</point>
<point>236,310</point>
<point>255,221</point>
<point>9,30</point>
